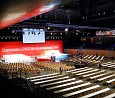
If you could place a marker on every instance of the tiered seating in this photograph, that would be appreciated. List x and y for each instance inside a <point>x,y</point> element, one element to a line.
<point>54,66</point>
<point>93,59</point>
<point>19,67</point>
<point>95,75</point>
<point>64,86</point>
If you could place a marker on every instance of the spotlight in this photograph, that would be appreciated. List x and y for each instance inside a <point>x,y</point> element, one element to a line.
<point>48,28</point>
<point>66,29</point>
<point>103,12</point>
<point>60,33</point>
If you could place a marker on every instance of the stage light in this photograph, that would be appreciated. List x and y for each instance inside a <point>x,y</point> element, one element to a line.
<point>76,33</point>
<point>66,29</point>
<point>103,12</point>
<point>48,28</point>
<point>46,8</point>
<point>99,14</point>
<point>12,31</point>
<point>60,33</point>
<point>66,33</point>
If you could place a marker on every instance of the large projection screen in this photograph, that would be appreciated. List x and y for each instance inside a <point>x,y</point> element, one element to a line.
<point>33,35</point>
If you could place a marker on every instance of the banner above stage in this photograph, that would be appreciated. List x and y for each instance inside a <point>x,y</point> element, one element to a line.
<point>105,33</point>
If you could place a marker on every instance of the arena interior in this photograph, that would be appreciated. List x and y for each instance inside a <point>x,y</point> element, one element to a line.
<point>57,49</point>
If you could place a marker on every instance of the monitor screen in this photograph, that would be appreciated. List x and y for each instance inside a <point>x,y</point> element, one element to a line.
<point>33,35</point>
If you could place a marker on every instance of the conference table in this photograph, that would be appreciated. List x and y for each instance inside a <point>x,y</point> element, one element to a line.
<point>59,82</point>
<point>73,87</point>
<point>43,76</point>
<point>88,75</point>
<point>101,79</point>
<point>47,81</point>
<point>110,81</point>
<point>81,91</point>
<point>63,85</point>
<point>76,69</point>
<point>87,72</point>
<point>82,70</point>
<point>94,77</point>
<point>96,93</point>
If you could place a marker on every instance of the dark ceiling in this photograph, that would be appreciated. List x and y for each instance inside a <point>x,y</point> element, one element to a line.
<point>82,14</point>
<point>14,11</point>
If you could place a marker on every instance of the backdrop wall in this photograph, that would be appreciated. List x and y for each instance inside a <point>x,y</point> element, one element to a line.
<point>30,49</point>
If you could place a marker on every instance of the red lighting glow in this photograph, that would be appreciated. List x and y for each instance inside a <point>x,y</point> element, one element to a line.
<point>14,14</point>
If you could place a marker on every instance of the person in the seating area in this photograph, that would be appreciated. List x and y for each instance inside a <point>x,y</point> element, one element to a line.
<point>60,70</point>
<point>100,66</point>
<point>85,63</point>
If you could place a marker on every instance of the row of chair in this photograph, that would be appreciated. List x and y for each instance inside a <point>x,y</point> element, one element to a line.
<point>54,66</point>
<point>93,57</point>
<point>64,86</point>
<point>15,67</point>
